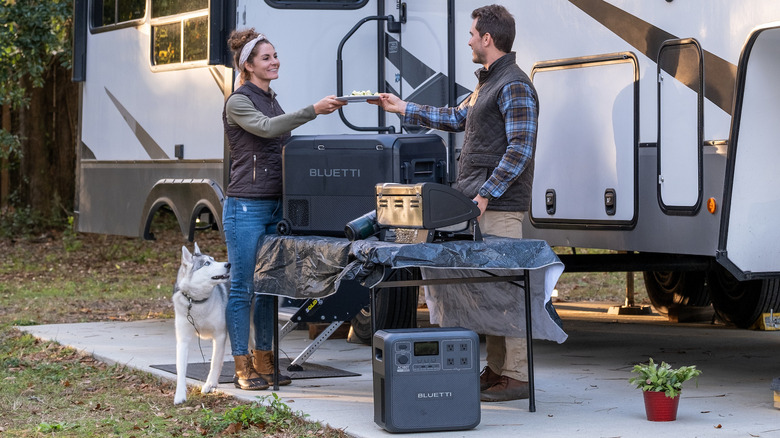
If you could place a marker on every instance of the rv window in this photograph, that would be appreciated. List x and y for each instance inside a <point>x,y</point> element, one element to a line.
<point>317,4</point>
<point>167,43</point>
<point>196,39</point>
<point>168,47</point>
<point>163,8</point>
<point>128,10</point>
<point>110,12</point>
<point>180,31</point>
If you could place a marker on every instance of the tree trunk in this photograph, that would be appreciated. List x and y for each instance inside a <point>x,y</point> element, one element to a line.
<point>5,172</point>
<point>66,115</point>
<point>36,160</point>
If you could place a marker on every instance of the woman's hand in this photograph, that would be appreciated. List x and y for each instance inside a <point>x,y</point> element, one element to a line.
<point>390,103</point>
<point>328,104</point>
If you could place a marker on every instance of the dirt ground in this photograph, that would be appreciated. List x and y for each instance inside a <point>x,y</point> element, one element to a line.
<point>63,277</point>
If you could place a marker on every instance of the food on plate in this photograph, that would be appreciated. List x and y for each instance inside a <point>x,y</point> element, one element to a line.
<point>360,96</point>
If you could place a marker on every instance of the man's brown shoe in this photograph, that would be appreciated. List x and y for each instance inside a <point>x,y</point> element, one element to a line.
<point>487,378</point>
<point>506,389</point>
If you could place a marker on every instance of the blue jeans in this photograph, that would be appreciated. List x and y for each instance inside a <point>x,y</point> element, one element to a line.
<point>245,222</point>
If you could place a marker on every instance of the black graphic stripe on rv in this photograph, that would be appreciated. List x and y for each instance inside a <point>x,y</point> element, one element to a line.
<point>430,87</point>
<point>414,71</point>
<point>152,148</point>
<point>720,75</point>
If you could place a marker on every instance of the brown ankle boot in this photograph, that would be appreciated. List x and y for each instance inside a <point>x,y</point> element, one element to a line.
<point>264,364</point>
<point>246,377</point>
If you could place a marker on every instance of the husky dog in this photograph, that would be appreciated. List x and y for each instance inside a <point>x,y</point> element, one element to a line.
<point>199,301</point>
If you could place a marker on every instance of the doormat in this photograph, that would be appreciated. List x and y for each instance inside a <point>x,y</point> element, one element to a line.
<point>200,370</point>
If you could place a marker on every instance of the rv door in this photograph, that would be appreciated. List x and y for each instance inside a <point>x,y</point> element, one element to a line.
<point>749,235</point>
<point>586,151</point>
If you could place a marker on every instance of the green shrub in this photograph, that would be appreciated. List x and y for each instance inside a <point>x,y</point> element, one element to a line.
<point>662,378</point>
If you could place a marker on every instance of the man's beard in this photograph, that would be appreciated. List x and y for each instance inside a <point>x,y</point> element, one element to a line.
<point>477,58</point>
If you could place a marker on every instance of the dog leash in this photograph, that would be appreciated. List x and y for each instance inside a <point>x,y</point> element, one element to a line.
<point>190,302</point>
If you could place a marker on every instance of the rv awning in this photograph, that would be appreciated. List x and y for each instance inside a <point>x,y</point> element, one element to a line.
<point>313,267</point>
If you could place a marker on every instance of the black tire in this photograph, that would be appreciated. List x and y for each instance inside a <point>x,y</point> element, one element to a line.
<point>742,302</point>
<point>396,308</point>
<point>672,289</point>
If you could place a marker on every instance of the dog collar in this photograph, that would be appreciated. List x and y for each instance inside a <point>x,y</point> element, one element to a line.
<point>191,301</point>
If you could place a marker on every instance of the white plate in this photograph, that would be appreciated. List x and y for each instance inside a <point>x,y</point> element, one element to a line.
<point>358,98</point>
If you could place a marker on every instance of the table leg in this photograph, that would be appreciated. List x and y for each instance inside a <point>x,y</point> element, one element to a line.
<point>276,343</point>
<point>529,340</point>
<point>372,307</point>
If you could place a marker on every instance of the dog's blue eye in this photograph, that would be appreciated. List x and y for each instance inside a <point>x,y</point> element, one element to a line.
<point>208,263</point>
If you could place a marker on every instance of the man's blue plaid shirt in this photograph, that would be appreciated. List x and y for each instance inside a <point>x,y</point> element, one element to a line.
<point>519,105</point>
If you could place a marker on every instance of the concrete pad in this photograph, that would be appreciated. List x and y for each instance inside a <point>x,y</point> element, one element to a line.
<point>582,384</point>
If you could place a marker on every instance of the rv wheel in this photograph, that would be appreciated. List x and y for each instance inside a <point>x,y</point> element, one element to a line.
<point>670,289</point>
<point>742,302</point>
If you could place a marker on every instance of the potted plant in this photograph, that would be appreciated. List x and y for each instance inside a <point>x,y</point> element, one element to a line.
<point>661,386</point>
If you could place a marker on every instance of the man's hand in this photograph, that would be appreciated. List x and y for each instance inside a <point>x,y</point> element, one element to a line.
<point>482,204</point>
<point>390,103</point>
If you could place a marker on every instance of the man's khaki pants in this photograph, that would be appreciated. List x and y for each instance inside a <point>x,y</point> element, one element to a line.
<point>506,356</point>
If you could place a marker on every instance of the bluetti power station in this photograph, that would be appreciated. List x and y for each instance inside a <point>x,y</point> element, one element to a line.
<point>426,379</point>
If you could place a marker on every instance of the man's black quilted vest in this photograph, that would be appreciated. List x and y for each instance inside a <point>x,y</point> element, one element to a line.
<point>485,140</point>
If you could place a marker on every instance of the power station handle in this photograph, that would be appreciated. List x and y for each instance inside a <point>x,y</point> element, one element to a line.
<point>419,170</point>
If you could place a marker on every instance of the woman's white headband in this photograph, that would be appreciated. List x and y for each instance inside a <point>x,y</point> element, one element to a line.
<point>247,49</point>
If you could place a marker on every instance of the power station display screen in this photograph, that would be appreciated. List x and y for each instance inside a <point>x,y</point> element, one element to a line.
<point>426,348</point>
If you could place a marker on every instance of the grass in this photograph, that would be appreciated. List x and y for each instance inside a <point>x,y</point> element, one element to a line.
<point>599,286</point>
<point>51,390</point>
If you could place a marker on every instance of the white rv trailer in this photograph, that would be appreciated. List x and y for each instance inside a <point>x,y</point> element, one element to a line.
<point>658,119</point>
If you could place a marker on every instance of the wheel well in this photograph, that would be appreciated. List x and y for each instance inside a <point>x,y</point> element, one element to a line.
<point>214,221</point>
<point>188,199</point>
<point>152,211</point>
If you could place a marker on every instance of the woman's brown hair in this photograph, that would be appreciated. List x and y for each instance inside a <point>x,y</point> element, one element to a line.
<point>237,40</point>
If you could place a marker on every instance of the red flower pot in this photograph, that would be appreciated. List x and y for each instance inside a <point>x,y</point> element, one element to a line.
<point>659,407</point>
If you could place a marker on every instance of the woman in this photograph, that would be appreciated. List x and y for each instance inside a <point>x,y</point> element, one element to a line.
<point>256,127</point>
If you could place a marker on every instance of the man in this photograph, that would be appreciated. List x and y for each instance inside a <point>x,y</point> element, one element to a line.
<point>495,166</point>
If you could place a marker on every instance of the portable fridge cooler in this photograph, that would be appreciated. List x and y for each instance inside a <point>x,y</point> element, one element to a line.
<point>330,179</point>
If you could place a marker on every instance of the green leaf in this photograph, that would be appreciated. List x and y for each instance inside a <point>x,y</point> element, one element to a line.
<point>33,34</point>
<point>662,378</point>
